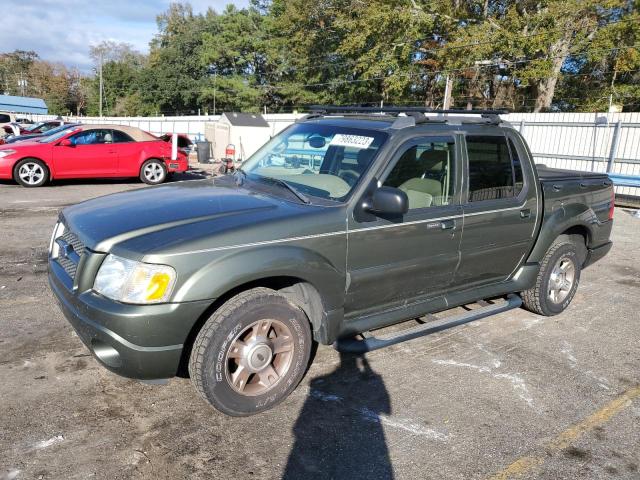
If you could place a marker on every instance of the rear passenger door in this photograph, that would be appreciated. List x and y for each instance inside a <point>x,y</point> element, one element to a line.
<point>500,211</point>
<point>392,261</point>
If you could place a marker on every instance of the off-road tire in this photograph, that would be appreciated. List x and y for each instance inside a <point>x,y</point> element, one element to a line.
<point>208,364</point>
<point>158,167</point>
<point>39,164</point>
<point>537,299</point>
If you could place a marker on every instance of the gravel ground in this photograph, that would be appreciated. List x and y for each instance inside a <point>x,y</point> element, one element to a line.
<point>512,395</point>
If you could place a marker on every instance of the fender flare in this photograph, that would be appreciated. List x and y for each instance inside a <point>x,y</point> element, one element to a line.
<point>562,218</point>
<point>240,267</point>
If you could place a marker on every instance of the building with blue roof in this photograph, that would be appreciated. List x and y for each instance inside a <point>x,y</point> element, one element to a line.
<point>10,103</point>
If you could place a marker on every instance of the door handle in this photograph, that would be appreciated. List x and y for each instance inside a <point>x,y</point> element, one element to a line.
<point>448,224</point>
<point>525,213</point>
<point>557,187</point>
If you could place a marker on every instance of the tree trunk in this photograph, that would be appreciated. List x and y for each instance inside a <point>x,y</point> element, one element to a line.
<point>546,87</point>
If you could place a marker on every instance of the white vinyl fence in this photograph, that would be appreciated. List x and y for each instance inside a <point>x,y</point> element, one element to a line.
<point>595,142</point>
<point>599,142</point>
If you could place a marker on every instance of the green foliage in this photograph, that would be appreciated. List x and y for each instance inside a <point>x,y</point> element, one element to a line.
<point>284,54</point>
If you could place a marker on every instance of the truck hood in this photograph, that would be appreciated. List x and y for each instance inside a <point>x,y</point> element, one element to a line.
<point>102,222</point>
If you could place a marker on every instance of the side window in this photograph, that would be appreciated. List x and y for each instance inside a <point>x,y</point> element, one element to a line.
<point>92,137</point>
<point>517,168</point>
<point>121,137</point>
<point>4,118</point>
<point>491,172</point>
<point>425,172</point>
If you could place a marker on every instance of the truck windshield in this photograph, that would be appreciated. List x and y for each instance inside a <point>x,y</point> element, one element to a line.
<point>324,161</point>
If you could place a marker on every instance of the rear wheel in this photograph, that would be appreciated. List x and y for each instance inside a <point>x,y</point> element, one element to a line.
<point>557,280</point>
<point>31,172</point>
<point>251,353</point>
<point>153,172</point>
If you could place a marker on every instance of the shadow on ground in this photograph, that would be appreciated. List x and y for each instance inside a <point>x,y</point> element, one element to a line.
<point>336,436</point>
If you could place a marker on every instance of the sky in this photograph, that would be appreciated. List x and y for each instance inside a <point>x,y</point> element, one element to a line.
<point>62,30</point>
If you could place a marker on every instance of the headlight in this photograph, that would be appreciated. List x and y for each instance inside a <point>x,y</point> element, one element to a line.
<point>6,153</point>
<point>129,281</point>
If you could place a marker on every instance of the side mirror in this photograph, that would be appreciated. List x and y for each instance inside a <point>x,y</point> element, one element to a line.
<point>66,143</point>
<point>388,201</point>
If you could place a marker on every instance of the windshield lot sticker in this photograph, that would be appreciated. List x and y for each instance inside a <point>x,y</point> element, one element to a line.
<point>355,141</point>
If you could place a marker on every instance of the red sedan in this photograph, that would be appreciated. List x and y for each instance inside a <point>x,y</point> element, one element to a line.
<point>91,151</point>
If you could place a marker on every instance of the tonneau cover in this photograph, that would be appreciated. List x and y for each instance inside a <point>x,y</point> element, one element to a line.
<point>555,174</point>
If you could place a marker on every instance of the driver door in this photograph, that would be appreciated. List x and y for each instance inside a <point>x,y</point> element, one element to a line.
<point>91,154</point>
<point>393,261</point>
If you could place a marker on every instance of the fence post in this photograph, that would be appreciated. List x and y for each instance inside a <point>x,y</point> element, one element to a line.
<point>614,146</point>
<point>522,124</point>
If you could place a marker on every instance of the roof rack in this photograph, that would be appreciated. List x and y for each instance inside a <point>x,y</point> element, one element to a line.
<point>491,116</point>
<point>397,109</point>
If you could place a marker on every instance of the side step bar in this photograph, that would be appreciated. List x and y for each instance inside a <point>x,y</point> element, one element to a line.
<point>351,345</point>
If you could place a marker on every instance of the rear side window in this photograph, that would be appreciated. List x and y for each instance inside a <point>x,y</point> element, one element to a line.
<point>493,173</point>
<point>4,118</point>
<point>121,137</point>
<point>517,168</point>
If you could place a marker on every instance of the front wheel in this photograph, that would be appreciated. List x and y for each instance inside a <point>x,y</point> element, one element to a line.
<point>557,280</point>
<point>31,172</point>
<point>251,353</point>
<point>153,172</point>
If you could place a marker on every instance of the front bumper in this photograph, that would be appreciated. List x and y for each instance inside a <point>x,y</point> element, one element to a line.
<point>6,169</point>
<point>136,341</point>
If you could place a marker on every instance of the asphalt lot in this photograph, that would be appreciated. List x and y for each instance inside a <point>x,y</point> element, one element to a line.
<point>513,396</point>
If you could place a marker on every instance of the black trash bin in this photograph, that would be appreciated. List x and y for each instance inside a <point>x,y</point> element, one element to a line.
<point>204,151</point>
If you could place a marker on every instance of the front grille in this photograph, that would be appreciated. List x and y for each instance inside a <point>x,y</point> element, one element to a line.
<point>70,250</point>
<point>73,240</point>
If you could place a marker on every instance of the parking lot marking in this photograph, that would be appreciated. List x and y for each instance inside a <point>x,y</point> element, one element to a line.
<point>517,382</point>
<point>371,416</point>
<point>529,462</point>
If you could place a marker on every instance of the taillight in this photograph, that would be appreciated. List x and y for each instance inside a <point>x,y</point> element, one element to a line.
<point>613,202</point>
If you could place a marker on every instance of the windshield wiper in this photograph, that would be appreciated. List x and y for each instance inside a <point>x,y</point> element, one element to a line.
<point>303,198</point>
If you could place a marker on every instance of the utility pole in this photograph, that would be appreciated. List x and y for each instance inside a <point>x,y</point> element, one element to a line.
<point>215,78</point>
<point>101,84</point>
<point>446,102</point>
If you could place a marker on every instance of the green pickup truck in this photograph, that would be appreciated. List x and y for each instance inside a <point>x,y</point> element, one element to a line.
<point>348,221</point>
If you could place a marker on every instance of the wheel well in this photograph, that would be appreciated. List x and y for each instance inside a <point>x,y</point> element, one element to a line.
<point>578,230</point>
<point>152,158</point>
<point>579,235</point>
<point>299,292</point>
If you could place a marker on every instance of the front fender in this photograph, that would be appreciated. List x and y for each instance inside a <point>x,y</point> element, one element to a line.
<point>224,273</point>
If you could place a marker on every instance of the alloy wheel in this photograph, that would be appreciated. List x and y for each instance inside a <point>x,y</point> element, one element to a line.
<point>153,172</point>
<point>259,357</point>
<point>31,173</point>
<point>561,280</point>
